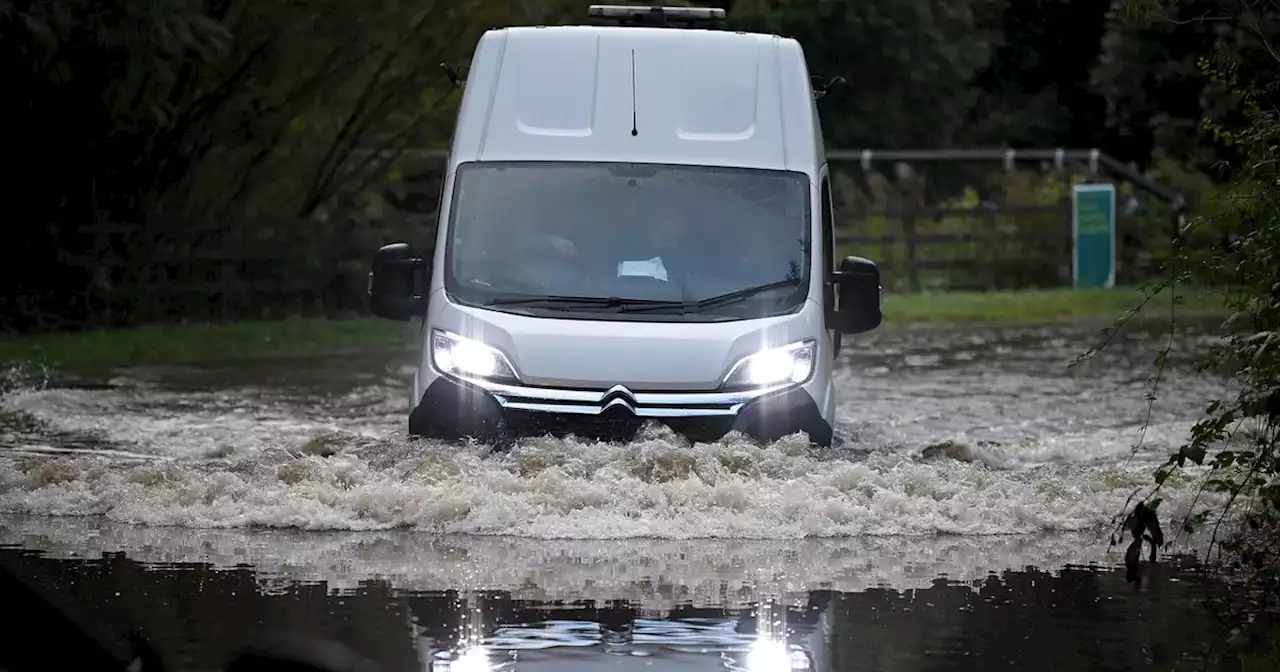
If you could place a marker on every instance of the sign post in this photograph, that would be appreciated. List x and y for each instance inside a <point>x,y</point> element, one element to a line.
<point>1093,234</point>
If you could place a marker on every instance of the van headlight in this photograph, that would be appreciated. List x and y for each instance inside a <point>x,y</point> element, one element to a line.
<point>790,364</point>
<point>462,357</point>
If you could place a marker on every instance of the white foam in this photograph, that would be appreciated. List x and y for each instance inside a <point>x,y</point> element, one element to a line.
<point>1043,449</point>
<point>546,488</point>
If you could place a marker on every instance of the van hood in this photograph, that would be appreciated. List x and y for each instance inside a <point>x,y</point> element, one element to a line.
<point>598,354</point>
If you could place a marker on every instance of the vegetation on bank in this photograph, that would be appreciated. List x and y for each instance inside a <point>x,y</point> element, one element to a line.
<point>200,342</point>
<point>1234,243</point>
<point>212,160</point>
<point>196,342</point>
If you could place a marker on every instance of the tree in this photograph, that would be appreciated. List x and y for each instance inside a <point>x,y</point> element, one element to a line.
<point>1035,91</point>
<point>1157,90</point>
<point>909,64</point>
<point>165,114</point>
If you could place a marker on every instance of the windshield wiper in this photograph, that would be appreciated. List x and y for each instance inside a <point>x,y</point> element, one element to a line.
<point>571,302</point>
<point>721,300</point>
<point>641,305</point>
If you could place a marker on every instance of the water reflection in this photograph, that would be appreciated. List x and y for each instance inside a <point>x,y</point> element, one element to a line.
<point>765,637</point>
<point>472,650</point>
<point>773,648</point>
<point>651,574</point>
<point>198,616</point>
<point>493,632</point>
<point>240,447</point>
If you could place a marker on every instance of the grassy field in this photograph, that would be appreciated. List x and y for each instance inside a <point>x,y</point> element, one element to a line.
<point>1036,306</point>
<point>190,343</point>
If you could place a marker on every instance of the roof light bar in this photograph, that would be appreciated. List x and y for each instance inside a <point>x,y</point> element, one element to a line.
<point>627,15</point>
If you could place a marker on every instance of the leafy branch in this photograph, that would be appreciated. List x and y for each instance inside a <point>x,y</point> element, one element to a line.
<point>1235,249</point>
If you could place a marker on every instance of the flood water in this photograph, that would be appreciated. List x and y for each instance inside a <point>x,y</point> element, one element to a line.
<point>209,504</point>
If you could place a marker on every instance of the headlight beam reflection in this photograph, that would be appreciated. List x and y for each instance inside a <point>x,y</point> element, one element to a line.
<point>770,650</point>
<point>470,653</point>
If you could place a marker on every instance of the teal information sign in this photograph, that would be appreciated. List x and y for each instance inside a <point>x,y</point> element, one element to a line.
<point>1093,229</point>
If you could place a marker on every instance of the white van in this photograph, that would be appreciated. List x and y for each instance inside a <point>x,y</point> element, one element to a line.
<point>635,226</point>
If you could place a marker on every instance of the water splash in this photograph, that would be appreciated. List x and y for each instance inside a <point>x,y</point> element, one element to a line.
<point>1035,447</point>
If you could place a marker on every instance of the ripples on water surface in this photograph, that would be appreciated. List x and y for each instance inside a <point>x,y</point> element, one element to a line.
<point>661,554</point>
<point>318,445</point>
<point>470,604</point>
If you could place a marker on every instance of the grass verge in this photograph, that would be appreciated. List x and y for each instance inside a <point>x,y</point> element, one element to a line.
<point>1044,305</point>
<point>197,342</point>
<point>192,343</point>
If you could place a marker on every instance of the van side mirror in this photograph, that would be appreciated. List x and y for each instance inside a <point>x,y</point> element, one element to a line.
<point>393,283</point>
<point>861,296</point>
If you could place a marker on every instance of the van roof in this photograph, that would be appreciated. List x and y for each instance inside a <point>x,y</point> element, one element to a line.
<point>661,95</point>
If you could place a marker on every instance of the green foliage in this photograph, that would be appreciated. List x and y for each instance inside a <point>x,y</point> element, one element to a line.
<point>169,115</point>
<point>1237,247</point>
<point>1157,92</point>
<point>178,117</point>
<point>1040,70</point>
<point>1234,245</point>
<point>208,109</point>
<point>1265,656</point>
<point>909,65</point>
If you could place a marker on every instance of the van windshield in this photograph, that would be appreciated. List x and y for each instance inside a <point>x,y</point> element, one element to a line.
<point>623,238</point>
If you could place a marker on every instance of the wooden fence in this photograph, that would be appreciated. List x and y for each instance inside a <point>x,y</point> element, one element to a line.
<point>271,267</point>
<point>261,268</point>
<point>984,248</point>
<point>276,267</point>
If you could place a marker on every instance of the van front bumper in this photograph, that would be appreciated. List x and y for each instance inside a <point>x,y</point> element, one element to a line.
<point>452,409</point>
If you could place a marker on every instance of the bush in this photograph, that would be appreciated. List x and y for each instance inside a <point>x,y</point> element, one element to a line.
<point>1234,244</point>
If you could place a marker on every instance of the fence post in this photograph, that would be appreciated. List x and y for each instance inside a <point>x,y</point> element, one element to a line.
<point>909,236</point>
<point>991,227</point>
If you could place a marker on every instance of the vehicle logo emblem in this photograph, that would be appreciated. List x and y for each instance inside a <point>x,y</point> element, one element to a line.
<point>619,395</point>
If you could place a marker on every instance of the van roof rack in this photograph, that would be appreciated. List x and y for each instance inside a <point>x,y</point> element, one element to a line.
<point>657,16</point>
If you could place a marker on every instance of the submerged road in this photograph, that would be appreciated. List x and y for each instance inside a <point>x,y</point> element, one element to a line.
<point>296,472</point>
